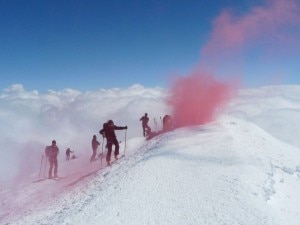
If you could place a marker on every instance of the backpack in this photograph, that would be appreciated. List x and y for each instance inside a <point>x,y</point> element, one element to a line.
<point>48,150</point>
<point>102,131</point>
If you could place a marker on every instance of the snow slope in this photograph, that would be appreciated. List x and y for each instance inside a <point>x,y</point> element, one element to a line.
<point>228,172</point>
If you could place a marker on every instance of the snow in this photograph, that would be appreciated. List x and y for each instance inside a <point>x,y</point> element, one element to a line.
<point>238,169</point>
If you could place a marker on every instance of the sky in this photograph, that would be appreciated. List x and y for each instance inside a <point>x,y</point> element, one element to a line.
<point>241,168</point>
<point>87,45</point>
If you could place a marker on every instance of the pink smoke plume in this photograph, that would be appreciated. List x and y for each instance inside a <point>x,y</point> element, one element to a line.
<point>272,29</point>
<point>269,29</point>
<point>195,99</point>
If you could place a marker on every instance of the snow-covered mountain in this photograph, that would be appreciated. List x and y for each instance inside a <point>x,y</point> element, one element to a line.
<point>243,168</point>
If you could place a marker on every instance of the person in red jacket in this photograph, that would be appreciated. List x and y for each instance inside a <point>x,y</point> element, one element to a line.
<point>108,132</point>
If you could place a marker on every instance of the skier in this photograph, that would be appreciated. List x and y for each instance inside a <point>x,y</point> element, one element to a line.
<point>146,128</point>
<point>108,131</point>
<point>52,152</point>
<point>68,153</point>
<point>95,145</point>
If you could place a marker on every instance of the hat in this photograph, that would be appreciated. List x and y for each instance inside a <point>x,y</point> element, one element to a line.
<point>53,142</point>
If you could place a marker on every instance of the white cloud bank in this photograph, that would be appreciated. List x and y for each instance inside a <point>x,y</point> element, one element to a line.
<point>30,121</point>
<point>276,109</point>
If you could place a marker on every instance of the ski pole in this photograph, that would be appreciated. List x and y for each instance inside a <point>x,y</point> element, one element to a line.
<point>45,167</point>
<point>102,150</point>
<point>161,123</point>
<point>41,166</point>
<point>125,142</point>
<point>155,124</point>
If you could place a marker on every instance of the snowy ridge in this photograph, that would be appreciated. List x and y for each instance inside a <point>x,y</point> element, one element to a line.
<point>227,172</point>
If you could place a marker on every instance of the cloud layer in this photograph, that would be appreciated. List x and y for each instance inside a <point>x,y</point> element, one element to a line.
<point>30,121</point>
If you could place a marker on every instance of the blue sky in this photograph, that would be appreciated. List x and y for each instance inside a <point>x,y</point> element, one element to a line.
<point>87,45</point>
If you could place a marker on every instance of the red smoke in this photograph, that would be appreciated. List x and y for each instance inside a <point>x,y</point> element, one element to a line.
<point>267,31</point>
<point>265,38</point>
<point>273,23</point>
<point>196,99</point>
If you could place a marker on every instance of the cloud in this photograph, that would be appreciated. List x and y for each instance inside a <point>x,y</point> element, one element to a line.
<point>30,121</point>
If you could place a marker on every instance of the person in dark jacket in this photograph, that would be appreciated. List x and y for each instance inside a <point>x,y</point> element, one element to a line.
<point>68,154</point>
<point>167,123</point>
<point>52,153</point>
<point>146,128</point>
<point>108,131</point>
<point>95,145</point>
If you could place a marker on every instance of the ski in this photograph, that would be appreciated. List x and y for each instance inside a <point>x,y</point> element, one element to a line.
<point>114,161</point>
<point>36,181</point>
<point>56,178</point>
<point>52,178</point>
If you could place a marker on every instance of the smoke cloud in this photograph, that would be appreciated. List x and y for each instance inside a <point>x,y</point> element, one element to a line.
<point>195,99</point>
<point>267,33</point>
<point>273,24</point>
<point>259,45</point>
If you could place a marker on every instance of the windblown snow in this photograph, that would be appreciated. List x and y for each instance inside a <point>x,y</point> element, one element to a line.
<point>243,168</point>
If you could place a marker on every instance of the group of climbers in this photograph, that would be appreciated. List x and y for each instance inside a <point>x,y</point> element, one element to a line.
<point>108,132</point>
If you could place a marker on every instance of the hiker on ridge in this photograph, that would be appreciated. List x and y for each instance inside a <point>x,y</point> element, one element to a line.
<point>108,131</point>
<point>52,153</point>
<point>68,153</point>
<point>167,123</point>
<point>146,128</point>
<point>95,145</point>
